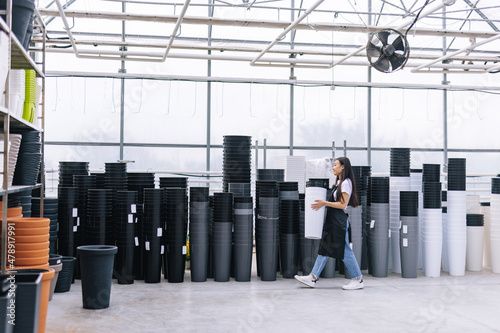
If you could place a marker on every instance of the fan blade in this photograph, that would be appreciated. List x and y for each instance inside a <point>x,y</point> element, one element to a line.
<point>382,36</point>
<point>373,51</point>
<point>397,61</point>
<point>398,44</point>
<point>382,65</point>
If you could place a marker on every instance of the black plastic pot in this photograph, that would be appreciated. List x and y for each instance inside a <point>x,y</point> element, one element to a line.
<point>7,297</point>
<point>28,297</point>
<point>96,266</point>
<point>65,275</point>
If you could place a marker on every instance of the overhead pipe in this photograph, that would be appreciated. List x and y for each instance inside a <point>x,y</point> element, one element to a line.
<point>396,85</point>
<point>462,50</point>
<point>176,28</point>
<point>425,12</point>
<point>287,30</point>
<point>266,62</point>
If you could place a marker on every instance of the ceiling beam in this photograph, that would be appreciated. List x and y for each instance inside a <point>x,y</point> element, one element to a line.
<point>318,26</point>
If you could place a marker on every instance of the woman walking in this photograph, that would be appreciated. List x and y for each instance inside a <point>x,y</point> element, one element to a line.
<point>335,237</point>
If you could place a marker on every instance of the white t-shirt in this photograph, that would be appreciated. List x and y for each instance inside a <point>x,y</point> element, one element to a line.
<point>346,188</point>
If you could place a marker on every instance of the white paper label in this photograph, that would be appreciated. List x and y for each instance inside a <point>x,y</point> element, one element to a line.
<point>400,224</point>
<point>136,239</point>
<point>75,228</point>
<point>405,229</point>
<point>75,212</point>
<point>77,221</point>
<point>136,219</point>
<point>389,233</point>
<point>184,249</point>
<point>372,224</point>
<point>162,249</point>
<point>147,246</point>
<point>130,218</point>
<point>159,232</point>
<point>133,208</point>
<point>405,242</point>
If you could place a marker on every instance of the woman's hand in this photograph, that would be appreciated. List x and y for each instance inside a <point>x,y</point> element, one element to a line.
<point>318,204</point>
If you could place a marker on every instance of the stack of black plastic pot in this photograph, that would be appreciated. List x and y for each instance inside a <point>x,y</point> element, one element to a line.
<point>236,160</point>
<point>126,203</point>
<point>83,183</point>
<point>179,182</point>
<point>153,234</point>
<point>100,180</point>
<point>28,159</point>
<point>409,234</point>
<point>289,238</point>
<point>222,227</point>
<point>50,208</point>
<point>175,233</point>
<point>271,174</point>
<point>457,216</point>
<point>267,229</point>
<point>243,238</point>
<point>379,226</point>
<point>115,180</point>
<point>362,176</point>
<point>289,191</point>
<point>431,230</point>
<point>99,226</point>
<point>199,236</point>
<point>68,169</point>
<point>68,220</point>
<point>399,181</point>
<point>138,181</point>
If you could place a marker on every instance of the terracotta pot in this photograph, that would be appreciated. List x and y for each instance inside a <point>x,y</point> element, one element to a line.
<point>31,231</point>
<point>32,246</point>
<point>30,222</point>
<point>44,266</point>
<point>32,238</point>
<point>31,254</point>
<point>31,261</point>
<point>13,212</point>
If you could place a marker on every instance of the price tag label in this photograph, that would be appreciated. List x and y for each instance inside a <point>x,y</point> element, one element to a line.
<point>136,219</point>
<point>136,240</point>
<point>184,249</point>
<point>147,246</point>
<point>405,242</point>
<point>133,208</point>
<point>75,212</point>
<point>372,224</point>
<point>400,224</point>
<point>130,218</point>
<point>77,221</point>
<point>405,229</point>
<point>162,249</point>
<point>159,232</point>
<point>389,233</point>
<point>75,228</point>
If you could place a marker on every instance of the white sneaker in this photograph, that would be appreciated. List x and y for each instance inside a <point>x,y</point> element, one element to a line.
<point>354,284</point>
<point>306,279</point>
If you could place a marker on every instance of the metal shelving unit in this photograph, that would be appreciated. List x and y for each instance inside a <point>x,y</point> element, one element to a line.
<point>18,59</point>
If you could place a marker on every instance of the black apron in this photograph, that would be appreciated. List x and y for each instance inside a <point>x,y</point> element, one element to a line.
<point>334,229</point>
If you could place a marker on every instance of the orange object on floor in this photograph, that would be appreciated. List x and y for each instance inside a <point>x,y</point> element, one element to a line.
<point>44,300</point>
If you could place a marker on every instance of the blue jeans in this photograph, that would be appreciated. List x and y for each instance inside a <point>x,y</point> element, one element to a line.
<point>349,260</point>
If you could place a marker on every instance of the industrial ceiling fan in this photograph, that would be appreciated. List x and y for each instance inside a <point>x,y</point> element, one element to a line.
<point>387,50</point>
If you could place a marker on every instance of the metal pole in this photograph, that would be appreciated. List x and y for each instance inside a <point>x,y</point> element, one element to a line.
<point>345,148</point>
<point>292,77</point>
<point>122,89</point>
<point>369,102</point>
<point>209,88</point>
<point>333,149</point>
<point>265,153</point>
<point>445,102</point>
<point>256,155</point>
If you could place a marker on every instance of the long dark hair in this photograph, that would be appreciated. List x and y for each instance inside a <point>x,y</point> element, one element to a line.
<point>347,174</point>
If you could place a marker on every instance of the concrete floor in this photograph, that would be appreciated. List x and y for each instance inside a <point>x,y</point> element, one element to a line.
<point>393,304</point>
